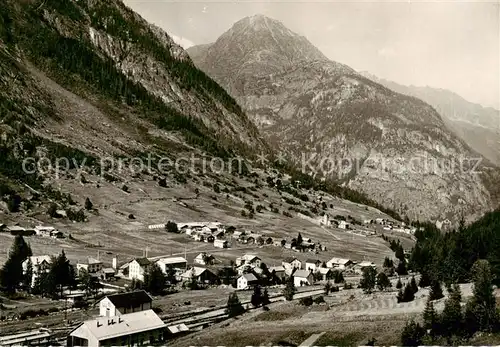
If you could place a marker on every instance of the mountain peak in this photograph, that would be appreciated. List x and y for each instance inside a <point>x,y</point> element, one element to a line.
<point>256,45</point>
<point>261,23</point>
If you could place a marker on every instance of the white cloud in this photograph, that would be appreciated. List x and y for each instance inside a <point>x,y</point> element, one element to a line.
<point>182,41</point>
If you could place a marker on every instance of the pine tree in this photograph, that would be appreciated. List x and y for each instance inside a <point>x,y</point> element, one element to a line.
<point>234,307</point>
<point>451,318</point>
<point>368,280</point>
<point>388,263</point>
<point>481,313</point>
<point>21,250</point>
<point>289,290</point>
<point>88,204</point>
<point>412,334</point>
<point>408,294</point>
<point>400,296</point>
<point>154,280</point>
<point>11,274</point>
<point>383,281</point>
<point>90,284</point>
<point>328,287</point>
<point>299,240</point>
<point>425,280</point>
<point>430,318</point>
<point>256,299</point>
<point>399,285</point>
<point>401,269</point>
<point>61,273</point>
<point>436,291</point>
<point>413,285</point>
<point>265,298</point>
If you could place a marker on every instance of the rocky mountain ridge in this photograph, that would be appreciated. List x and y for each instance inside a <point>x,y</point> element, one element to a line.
<point>396,148</point>
<point>478,126</point>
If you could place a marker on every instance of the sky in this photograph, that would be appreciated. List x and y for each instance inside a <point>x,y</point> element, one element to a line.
<point>441,44</point>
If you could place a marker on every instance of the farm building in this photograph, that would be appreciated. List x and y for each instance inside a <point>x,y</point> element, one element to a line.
<point>92,265</point>
<point>344,225</point>
<point>291,264</point>
<point>40,264</point>
<point>220,243</point>
<point>302,278</point>
<point>312,264</point>
<point>202,275</point>
<point>339,263</point>
<point>204,259</point>
<point>137,268</point>
<point>172,262</point>
<point>44,231</point>
<point>246,281</point>
<point>248,259</point>
<point>279,271</point>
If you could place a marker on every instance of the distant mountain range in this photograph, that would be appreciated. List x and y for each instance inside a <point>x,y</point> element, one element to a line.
<point>477,125</point>
<point>324,115</point>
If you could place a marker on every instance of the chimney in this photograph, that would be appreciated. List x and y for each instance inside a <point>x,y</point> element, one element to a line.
<point>115,263</point>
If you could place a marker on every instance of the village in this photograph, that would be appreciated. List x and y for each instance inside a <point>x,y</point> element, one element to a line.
<point>124,303</point>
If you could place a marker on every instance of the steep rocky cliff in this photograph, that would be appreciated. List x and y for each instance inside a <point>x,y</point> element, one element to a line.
<point>334,122</point>
<point>478,126</point>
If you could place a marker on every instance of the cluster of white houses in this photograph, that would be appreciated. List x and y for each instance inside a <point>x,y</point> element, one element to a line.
<point>249,269</point>
<point>39,230</point>
<point>41,264</point>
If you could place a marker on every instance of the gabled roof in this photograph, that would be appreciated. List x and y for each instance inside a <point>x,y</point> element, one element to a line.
<point>130,323</point>
<point>91,261</point>
<point>15,228</point>
<point>312,261</point>
<point>340,261</point>
<point>249,277</point>
<point>130,299</point>
<point>249,257</point>
<point>301,273</point>
<point>38,259</point>
<point>44,228</point>
<point>290,260</point>
<point>324,270</point>
<point>198,271</point>
<point>143,261</point>
<point>366,263</point>
<point>172,260</point>
<point>276,268</point>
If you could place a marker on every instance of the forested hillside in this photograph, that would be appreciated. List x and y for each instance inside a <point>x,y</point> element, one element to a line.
<point>450,256</point>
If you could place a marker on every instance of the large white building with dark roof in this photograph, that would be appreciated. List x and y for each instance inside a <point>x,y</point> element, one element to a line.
<point>132,329</point>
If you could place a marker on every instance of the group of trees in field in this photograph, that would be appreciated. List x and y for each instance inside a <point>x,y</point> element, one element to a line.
<point>467,254</point>
<point>372,280</point>
<point>457,324</point>
<point>51,282</point>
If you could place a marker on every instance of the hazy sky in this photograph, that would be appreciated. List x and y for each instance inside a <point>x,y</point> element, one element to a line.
<point>452,45</point>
